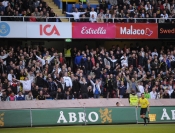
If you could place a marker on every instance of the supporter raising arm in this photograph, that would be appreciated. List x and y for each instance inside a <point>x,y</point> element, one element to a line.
<point>43,61</point>
<point>96,88</point>
<point>76,15</point>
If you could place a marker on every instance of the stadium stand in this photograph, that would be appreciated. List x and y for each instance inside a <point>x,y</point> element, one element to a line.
<point>29,73</point>
<point>144,11</point>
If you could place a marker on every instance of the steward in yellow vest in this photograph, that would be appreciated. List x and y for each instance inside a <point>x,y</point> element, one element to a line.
<point>67,55</point>
<point>133,98</point>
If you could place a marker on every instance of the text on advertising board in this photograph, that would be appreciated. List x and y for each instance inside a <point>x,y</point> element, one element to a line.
<point>166,30</point>
<point>136,31</point>
<point>48,30</point>
<point>93,30</point>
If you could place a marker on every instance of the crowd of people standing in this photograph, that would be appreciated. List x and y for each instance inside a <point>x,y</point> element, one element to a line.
<point>28,73</point>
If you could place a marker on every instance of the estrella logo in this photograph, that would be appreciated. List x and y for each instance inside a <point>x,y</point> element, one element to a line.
<point>4,29</point>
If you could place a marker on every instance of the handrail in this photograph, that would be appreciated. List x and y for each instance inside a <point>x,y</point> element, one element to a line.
<point>69,18</point>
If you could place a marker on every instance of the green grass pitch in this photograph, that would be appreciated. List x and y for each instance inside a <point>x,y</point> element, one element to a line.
<point>134,128</point>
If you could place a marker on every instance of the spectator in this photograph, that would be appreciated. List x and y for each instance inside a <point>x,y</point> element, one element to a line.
<point>121,90</point>
<point>32,18</point>
<point>153,94</point>
<point>76,15</point>
<point>59,94</point>
<point>41,96</point>
<point>68,96</point>
<point>96,88</point>
<point>133,84</point>
<point>173,93</point>
<point>166,95</point>
<point>100,19</point>
<point>20,96</point>
<point>147,94</point>
<point>26,85</point>
<point>35,92</point>
<point>4,96</point>
<point>29,96</point>
<point>5,3</point>
<point>2,8</point>
<point>12,97</point>
<point>93,16</point>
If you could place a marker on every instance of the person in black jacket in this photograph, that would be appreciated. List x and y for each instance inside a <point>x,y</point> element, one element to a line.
<point>97,70</point>
<point>173,93</point>
<point>52,88</point>
<point>83,88</point>
<point>35,92</point>
<point>84,63</point>
<point>68,96</point>
<point>40,82</point>
<point>108,86</point>
<point>61,85</point>
<point>59,94</point>
<point>3,68</point>
<point>88,65</point>
<point>76,87</point>
<point>90,92</point>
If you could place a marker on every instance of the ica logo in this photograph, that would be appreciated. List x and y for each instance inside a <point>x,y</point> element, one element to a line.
<point>4,29</point>
<point>49,30</point>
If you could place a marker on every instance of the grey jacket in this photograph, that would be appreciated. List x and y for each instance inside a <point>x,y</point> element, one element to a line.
<point>130,84</point>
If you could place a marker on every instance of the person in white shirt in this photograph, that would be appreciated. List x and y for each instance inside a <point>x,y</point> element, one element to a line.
<point>92,19</point>
<point>154,53</point>
<point>11,76</point>
<point>43,61</point>
<point>141,89</point>
<point>67,80</point>
<point>153,93</point>
<point>26,84</point>
<point>93,15</point>
<point>164,15</point>
<point>5,3</point>
<point>124,60</point>
<point>148,6</point>
<point>166,4</point>
<point>3,56</point>
<point>76,15</point>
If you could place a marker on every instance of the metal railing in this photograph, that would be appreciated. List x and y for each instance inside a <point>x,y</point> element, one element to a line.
<point>70,19</point>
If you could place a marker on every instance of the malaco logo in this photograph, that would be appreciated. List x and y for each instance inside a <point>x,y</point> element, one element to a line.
<point>133,31</point>
<point>49,30</point>
<point>99,30</point>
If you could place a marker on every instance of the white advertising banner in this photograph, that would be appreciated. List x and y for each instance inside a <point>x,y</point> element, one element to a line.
<point>35,30</point>
<point>13,29</point>
<point>49,30</point>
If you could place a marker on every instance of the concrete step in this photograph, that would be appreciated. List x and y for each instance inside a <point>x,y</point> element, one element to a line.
<point>56,10</point>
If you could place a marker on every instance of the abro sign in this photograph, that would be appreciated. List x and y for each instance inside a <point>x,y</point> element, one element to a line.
<point>49,30</point>
<point>136,31</point>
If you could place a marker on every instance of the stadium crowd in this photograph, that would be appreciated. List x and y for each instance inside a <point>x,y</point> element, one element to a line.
<point>28,73</point>
<point>139,11</point>
<point>32,10</point>
<point>118,11</point>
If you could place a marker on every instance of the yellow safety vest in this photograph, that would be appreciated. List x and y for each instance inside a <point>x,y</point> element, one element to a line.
<point>133,100</point>
<point>82,0</point>
<point>68,53</point>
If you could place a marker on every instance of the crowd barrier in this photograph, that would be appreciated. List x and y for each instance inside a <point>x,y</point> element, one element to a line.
<point>82,116</point>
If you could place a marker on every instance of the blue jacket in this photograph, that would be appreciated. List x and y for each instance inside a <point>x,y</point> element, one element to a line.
<point>19,98</point>
<point>78,60</point>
